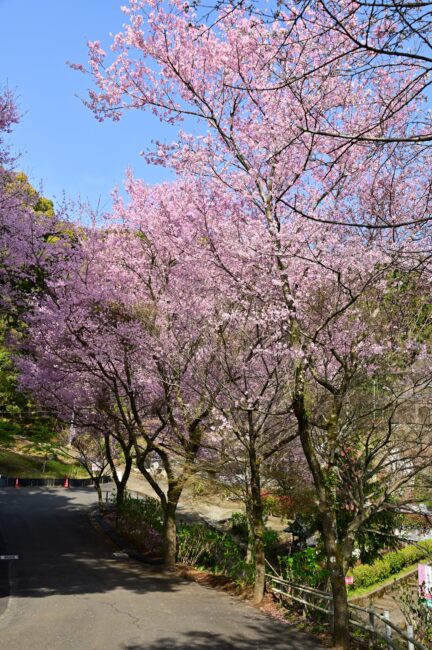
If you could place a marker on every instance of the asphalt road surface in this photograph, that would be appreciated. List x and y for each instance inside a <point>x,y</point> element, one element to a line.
<point>68,590</point>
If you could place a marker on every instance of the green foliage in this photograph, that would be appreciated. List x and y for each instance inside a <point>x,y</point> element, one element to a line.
<point>371,544</point>
<point>366,575</point>
<point>12,464</point>
<point>142,513</point>
<point>198,488</point>
<point>239,523</point>
<point>271,541</point>
<point>305,567</point>
<point>141,521</point>
<point>44,205</point>
<point>17,414</point>
<point>270,503</point>
<point>199,545</point>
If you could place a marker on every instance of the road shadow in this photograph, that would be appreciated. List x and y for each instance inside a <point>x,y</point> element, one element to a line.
<point>61,552</point>
<point>265,636</point>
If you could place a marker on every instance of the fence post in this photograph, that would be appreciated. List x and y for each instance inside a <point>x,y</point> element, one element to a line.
<point>372,629</point>
<point>388,629</point>
<point>410,633</point>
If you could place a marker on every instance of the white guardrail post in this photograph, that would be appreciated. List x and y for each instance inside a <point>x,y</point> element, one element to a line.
<point>372,629</point>
<point>388,629</point>
<point>410,632</point>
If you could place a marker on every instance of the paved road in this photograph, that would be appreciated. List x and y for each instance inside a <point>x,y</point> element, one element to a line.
<point>69,591</point>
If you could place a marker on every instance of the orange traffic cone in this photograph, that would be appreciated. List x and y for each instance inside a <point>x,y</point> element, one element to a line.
<point>66,483</point>
<point>17,483</point>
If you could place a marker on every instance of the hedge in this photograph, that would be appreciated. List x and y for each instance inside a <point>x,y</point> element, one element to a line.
<point>366,575</point>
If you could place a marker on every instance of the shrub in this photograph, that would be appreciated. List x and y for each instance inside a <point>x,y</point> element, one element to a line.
<point>199,545</point>
<point>271,505</point>
<point>366,575</point>
<point>239,523</point>
<point>141,521</point>
<point>145,513</point>
<point>271,541</point>
<point>395,561</point>
<point>304,567</point>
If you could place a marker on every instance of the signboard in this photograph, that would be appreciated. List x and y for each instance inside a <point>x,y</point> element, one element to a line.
<point>349,580</point>
<point>425,582</point>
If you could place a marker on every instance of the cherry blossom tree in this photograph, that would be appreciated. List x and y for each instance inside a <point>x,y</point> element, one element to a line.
<point>255,410</point>
<point>29,227</point>
<point>335,221</point>
<point>128,314</point>
<point>388,35</point>
<point>92,457</point>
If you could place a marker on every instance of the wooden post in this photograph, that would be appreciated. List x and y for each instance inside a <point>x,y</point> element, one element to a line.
<point>388,629</point>
<point>410,633</point>
<point>372,629</point>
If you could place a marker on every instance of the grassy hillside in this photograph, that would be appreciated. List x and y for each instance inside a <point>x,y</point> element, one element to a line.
<point>32,466</point>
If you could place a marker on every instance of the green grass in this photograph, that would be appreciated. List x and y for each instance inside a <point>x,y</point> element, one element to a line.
<point>364,591</point>
<point>12,464</point>
<point>11,429</point>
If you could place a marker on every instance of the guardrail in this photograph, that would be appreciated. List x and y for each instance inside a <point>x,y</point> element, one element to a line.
<point>375,625</point>
<point>7,481</point>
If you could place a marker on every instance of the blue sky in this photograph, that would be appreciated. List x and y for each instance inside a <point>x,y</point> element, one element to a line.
<point>61,144</point>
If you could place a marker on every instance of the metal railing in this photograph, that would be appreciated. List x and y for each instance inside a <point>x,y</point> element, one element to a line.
<point>375,625</point>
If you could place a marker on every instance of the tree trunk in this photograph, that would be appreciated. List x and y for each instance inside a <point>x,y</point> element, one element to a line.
<point>99,492</point>
<point>170,536</point>
<point>250,551</point>
<point>121,489</point>
<point>327,509</point>
<point>258,527</point>
<point>175,488</point>
<point>335,563</point>
<point>259,585</point>
<point>341,632</point>
<point>121,485</point>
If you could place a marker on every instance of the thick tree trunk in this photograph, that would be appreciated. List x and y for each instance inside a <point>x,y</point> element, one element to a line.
<point>259,585</point>
<point>341,632</point>
<point>335,561</point>
<point>99,492</point>
<point>175,488</point>
<point>170,536</point>
<point>121,485</point>
<point>258,527</point>
<point>121,489</point>
<point>250,550</point>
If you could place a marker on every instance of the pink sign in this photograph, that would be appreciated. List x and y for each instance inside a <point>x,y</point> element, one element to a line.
<point>425,580</point>
<point>349,580</point>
